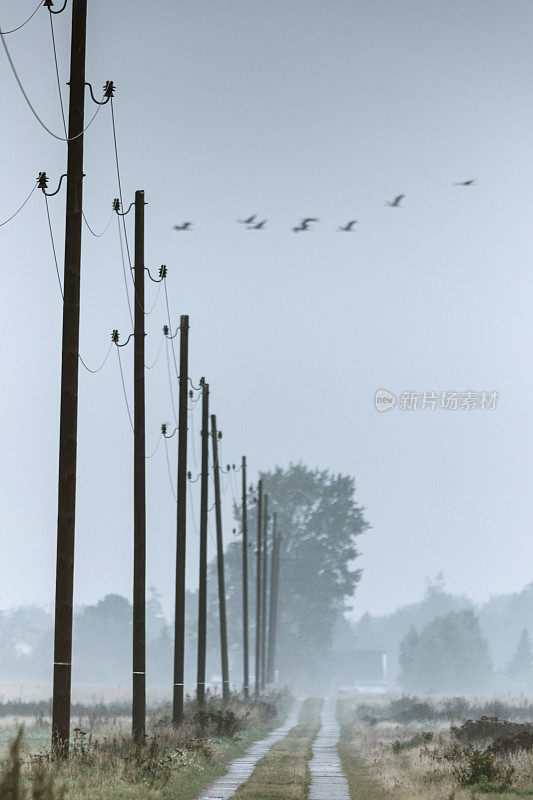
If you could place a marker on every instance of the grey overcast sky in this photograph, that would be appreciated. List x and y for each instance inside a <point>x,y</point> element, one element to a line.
<point>285,108</point>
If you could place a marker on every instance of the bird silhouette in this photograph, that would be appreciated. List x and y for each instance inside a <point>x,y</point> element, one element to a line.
<point>396,202</point>
<point>258,226</point>
<point>186,226</point>
<point>469,182</point>
<point>304,224</point>
<point>348,228</point>
<point>249,220</point>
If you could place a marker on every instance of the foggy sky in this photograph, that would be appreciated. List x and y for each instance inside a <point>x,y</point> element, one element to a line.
<point>285,109</point>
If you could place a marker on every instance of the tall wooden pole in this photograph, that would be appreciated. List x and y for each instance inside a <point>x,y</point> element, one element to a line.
<point>246,676</point>
<point>220,565</point>
<point>258,590</point>
<point>202,590</point>
<point>274,602</point>
<point>139,487</point>
<point>68,425</point>
<point>264,585</point>
<point>179,624</point>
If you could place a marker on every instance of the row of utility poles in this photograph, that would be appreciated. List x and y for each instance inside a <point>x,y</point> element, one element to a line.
<point>267,597</point>
<point>265,650</point>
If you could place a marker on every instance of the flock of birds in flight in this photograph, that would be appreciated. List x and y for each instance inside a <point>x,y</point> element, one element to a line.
<point>253,224</point>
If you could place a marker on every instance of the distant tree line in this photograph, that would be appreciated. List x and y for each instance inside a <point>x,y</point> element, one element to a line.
<point>444,644</point>
<point>319,520</point>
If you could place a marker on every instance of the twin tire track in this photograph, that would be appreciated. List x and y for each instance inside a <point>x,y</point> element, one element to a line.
<point>328,781</point>
<point>241,769</point>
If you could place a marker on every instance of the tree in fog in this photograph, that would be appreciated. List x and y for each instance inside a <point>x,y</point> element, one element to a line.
<point>103,641</point>
<point>521,664</point>
<point>319,521</point>
<point>449,654</point>
<point>387,632</point>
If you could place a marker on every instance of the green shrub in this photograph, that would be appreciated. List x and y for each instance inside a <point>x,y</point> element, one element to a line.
<point>482,769</point>
<point>417,740</point>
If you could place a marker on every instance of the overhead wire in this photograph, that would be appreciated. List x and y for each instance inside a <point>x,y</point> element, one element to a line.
<point>102,365</point>
<point>156,448</point>
<point>193,515</point>
<point>170,472</point>
<point>193,435</point>
<point>82,361</point>
<point>57,76</point>
<point>156,359</point>
<point>32,109</point>
<point>53,247</point>
<point>20,208</point>
<point>124,273</point>
<point>170,384</point>
<point>124,390</point>
<point>171,337</point>
<point>13,30</point>
<point>147,313</point>
<point>118,178</point>
<point>98,235</point>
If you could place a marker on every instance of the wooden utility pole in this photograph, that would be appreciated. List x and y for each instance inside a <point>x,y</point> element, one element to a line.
<point>246,677</point>
<point>264,584</point>
<point>68,425</point>
<point>139,487</point>
<point>202,589</point>
<point>274,601</point>
<point>258,590</point>
<point>220,565</point>
<point>179,624</point>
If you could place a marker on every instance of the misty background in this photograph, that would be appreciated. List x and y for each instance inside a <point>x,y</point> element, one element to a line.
<point>286,110</point>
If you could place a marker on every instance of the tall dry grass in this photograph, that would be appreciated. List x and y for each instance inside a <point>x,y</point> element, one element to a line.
<point>105,764</point>
<point>414,760</point>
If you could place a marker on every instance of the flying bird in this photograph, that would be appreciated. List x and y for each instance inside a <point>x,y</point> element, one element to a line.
<point>249,220</point>
<point>304,224</point>
<point>469,182</point>
<point>185,227</point>
<point>396,202</point>
<point>258,226</point>
<point>348,228</point>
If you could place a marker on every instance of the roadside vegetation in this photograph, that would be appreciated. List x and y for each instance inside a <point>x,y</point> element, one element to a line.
<point>283,774</point>
<point>104,764</point>
<point>413,748</point>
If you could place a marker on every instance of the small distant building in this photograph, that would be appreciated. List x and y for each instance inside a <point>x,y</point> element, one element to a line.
<point>364,670</point>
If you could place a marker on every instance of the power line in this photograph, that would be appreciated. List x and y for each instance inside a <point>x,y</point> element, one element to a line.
<point>170,384</point>
<point>97,235</point>
<point>156,359</point>
<point>156,448</point>
<point>102,365</point>
<point>171,337</point>
<point>13,30</point>
<point>124,270</point>
<point>124,391</point>
<point>19,209</point>
<point>53,246</point>
<point>57,76</point>
<point>118,178</point>
<point>170,473</point>
<point>193,515</point>
<point>147,313</point>
<point>32,109</point>
<point>193,432</point>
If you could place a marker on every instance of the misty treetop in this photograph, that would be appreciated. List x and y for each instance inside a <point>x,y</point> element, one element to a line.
<point>449,654</point>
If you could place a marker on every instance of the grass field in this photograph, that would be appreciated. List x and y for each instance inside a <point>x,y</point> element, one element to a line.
<point>105,765</point>
<point>407,761</point>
